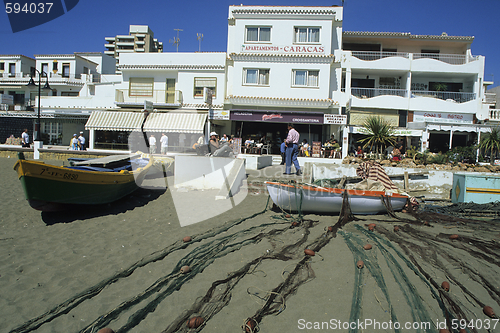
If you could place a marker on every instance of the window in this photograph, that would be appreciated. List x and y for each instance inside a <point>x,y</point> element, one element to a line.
<point>204,82</point>
<point>45,69</point>
<point>12,69</point>
<point>70,93</point>
<point>258,34</point>
<point>53,131</point>
<point>306,35</point>
<point>2,66</point>
<point>54,66</point>
<point>258,77</point>
<point>305,78</point>
<point>65,70</point>
<point>141,86</point>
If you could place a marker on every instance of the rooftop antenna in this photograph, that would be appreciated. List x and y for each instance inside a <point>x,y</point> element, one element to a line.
<point>176,41</point>
<point>199,37</point>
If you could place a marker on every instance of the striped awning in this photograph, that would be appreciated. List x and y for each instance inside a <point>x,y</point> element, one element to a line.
<point>114,121</point>
<point>176,122</point>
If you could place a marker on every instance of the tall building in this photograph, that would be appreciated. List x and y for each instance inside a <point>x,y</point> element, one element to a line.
<point>140,39</point>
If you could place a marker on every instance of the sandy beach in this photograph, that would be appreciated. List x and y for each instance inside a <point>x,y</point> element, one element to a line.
<point>118,266</point>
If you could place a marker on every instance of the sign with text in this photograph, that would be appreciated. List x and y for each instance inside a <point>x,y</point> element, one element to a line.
<point>335,119</point>
<point>278,117</point>
<point>218,114</point>
<point>443,117</point>
<point>283,49</point>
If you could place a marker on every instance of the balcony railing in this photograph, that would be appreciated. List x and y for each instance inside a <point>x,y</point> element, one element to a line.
<point>459,97</point>
<point>453,59</point>
<point>489,98</point>
<point>13,75</point>
<point>159,97</point>
<point>494,114</point>
<point>371,55</point>
<point>374,92</point>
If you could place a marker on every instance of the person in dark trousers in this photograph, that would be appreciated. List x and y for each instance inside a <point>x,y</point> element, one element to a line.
<point>283,152</point>
<point>292,150</point>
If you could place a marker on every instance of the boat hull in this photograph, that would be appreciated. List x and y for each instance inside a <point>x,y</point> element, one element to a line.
<point>314,199</point>
<point>51,188</point>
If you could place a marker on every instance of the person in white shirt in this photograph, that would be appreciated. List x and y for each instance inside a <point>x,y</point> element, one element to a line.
<point>81,138</point>
<point>25,139</point>
<point>152,144</point>
<point>164,143</point>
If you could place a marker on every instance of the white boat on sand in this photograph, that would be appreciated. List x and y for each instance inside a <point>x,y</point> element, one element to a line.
<point>316,199</point>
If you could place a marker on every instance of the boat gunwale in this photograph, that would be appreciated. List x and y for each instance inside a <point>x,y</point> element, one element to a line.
<point>340,191</point>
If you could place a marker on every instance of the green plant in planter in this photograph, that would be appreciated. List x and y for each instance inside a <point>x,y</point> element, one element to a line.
<point>379,133</point>
<point>462,154</point>
<point>491,142</point>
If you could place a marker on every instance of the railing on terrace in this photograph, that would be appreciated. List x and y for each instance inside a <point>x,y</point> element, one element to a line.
<point>14,75</point>
<point>494,114</point>
<point>374,92</point>
<point>489,98</point>
<point>459,97</point>
<point>373,55</point>
<point>159,96</point>
<point>453,59</point>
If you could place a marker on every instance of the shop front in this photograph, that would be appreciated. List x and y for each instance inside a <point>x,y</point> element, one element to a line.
<point>270,127</point>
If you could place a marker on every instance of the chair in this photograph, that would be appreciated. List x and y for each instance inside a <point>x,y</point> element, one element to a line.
<point>265,147</point>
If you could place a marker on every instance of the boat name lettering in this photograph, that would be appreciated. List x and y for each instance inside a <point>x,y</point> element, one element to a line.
<point>66,175</point>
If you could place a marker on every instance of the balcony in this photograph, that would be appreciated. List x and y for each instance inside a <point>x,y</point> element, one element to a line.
<point>373,92</point>
<point>371,55</point>
<point>494,114</point>
<point>159,98</point>
<point>489,98</point>
<point>452,59</point>
<point>458,97</point>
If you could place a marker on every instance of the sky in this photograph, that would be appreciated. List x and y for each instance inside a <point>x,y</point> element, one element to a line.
<point>84,28</point>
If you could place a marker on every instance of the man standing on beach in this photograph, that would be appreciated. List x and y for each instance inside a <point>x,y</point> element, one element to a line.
<point>81,138</point>
<point>164,143</point>
<point>152,144</point>
<point>25,143</point>
<point>292,151</point>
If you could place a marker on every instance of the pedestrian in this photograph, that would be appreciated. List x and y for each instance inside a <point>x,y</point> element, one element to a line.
<point>292,150</point>
<point>152,144</point>
<point>224,138</point>
<point>81,140</point>
<point>25,139</point>
<point>74,142</point>
<point>283,152</point>
<point>164,143</point>
<point>214,142</point>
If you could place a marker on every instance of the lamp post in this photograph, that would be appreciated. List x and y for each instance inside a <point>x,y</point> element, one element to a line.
<point>31,84</point>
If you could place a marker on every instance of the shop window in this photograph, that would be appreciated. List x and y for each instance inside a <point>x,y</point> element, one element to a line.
<point>141,86</point>
<point>204,82</point>
<point>254,76</point>
<point>258,34</point>
<point>306,35</point>
<point>305,78</point>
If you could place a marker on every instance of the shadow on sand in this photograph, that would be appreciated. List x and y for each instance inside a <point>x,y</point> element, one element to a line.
<point>139,198</point>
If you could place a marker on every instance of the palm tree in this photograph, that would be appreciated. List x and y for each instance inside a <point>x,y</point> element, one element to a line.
<point>491,141</point>
<point>379,133</point>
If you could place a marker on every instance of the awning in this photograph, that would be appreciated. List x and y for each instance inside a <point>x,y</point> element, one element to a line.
<point>114,121</point>
<point>176,122</point>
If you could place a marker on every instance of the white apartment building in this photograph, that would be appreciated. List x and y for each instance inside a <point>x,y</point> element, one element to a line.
<point>140,39</point>
<point>282,69</point>
<point>430,87</point>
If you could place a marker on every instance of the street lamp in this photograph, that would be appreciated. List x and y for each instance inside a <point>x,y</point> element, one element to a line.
<point>31,84</point>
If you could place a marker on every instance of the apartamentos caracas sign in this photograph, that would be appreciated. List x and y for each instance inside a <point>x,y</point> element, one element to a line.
<point>278,117</point>
<point>286,49</point>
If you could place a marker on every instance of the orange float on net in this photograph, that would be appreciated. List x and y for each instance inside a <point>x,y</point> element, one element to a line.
<point>396,228</point>
<point>455,236</point>
<point>367,247</point>
<point>186,239</point>
<point>195,322</point>
<point>250,325</point>
<point>185,269</point>
<point>488,310</point>
<point>309,252</point>
<point>360,264</point>
<point>445,285</point>
<point>106,330</point>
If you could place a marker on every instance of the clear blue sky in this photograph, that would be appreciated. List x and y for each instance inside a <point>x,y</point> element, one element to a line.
<point>83,28</point>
